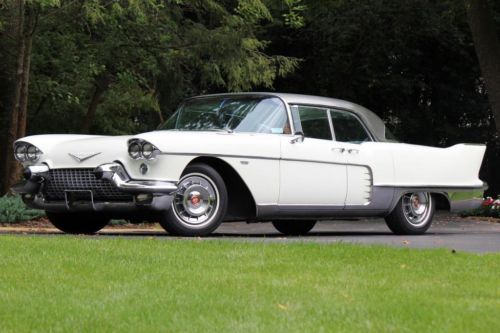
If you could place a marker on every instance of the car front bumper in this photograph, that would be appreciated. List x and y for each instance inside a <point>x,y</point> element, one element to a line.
<point>148,195</point>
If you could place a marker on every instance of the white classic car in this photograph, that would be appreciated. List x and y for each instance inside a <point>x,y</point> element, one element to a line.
<point>284,158</point>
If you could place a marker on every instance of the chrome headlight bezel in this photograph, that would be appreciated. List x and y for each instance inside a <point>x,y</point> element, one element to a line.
<point>148,150</point>
<point>134,150</point>
<point>26,152</point>
<point>140,149</point>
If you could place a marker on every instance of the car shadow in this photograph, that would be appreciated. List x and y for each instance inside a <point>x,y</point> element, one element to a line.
<point>233,235</point>
<point>271,235</point>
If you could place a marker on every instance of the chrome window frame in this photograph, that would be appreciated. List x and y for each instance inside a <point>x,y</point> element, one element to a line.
<point>295,113</point>
<point>369,134</point>
<point>329,109</point>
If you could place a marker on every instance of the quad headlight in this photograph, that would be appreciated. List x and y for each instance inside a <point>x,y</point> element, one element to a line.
<point>140,149</point>
<point>26,152</point>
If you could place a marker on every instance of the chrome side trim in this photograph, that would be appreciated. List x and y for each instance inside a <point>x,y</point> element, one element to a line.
<point>430,188</point>
<point>261,158</point>
<point>466,200</point>
<point>221,155</point>
<point>379,206</point>
<point>117,175</point>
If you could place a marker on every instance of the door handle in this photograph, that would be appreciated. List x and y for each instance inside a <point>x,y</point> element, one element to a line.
<point>338,150</point>
<point>353,151</point>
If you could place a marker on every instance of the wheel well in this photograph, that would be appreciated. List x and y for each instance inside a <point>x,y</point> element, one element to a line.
<point>241,204</point>
<point>442,201</point>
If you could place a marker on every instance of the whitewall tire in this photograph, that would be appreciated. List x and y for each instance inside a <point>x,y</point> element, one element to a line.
<point>412,215</point>
<point>199,205</point>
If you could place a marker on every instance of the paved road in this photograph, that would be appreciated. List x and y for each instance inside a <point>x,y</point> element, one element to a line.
<point>446,232</point>
<point>470,236</point>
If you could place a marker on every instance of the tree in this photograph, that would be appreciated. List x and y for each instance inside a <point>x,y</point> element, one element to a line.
<point>487,46</point>
<point>22,26</point>
<point>410,61</point>
<point>127,63</point>
<point>484,34</point>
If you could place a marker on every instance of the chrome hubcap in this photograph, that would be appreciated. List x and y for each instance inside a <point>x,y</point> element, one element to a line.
<point>195,202</point>
<point>416,207</point>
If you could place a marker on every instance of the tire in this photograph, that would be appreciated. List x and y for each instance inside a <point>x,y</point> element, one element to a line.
<point>412,215</point>
<point>78,223</point>
<point>294,228</point>
<point>200,204</point>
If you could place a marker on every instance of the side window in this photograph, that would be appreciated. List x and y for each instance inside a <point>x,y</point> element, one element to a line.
<point>348,128</point>
<point>315,123</point>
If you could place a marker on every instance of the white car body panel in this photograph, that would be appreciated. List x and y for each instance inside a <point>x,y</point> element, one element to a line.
<point>312,173</point>
<point>262,160</point>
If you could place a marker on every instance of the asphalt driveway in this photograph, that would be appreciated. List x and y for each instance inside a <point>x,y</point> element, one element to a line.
<point>447,231</point>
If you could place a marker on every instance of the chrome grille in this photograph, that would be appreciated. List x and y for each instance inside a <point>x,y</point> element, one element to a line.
<point>80,182</point>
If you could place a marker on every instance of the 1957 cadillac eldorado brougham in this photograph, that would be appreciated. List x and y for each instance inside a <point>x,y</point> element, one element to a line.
<point>284,158</point>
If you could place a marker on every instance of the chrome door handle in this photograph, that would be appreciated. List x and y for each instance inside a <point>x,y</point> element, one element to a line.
<point>353,151</point>
<point>338,150</point>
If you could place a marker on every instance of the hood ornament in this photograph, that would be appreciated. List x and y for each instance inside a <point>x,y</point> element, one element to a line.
<point>80,157</point>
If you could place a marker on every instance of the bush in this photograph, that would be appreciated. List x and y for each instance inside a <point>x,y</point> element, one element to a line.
<point>489,208</point>
<point>12,210</point>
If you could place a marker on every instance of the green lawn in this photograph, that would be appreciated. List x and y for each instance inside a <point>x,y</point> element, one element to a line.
<point>151,285</point>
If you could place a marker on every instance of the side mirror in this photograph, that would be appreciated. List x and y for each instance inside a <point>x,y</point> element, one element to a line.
<point>299,137</point>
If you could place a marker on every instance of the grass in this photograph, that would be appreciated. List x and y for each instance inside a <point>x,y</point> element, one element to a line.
<point>143,285</point>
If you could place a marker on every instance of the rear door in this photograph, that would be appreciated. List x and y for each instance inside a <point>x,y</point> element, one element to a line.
<point>350,134</point>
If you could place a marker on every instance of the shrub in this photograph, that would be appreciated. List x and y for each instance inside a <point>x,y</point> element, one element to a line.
<point>489,208</point>
<point>12,210</point>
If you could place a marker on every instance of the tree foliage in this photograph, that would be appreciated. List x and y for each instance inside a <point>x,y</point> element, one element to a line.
<point>119,67</point>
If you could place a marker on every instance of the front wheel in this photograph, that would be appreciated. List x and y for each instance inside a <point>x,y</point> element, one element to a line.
<point>78,223</point>
<point>199,205</point>
<point>293,228</point>
<point>412,215</point>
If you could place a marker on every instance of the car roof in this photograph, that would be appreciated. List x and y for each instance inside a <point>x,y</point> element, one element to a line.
<point>373,122</point>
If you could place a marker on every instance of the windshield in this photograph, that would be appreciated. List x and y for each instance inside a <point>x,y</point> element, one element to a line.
<point>238,114</point>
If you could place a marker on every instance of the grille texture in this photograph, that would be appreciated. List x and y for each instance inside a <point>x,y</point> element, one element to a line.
<point>75,180</point>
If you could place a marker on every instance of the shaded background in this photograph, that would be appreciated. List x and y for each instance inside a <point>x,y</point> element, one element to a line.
<point>121,67</point>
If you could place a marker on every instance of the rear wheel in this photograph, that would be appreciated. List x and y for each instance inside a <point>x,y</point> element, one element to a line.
<point>78,223</point>
<point>294,228</point>
<point>412,215</point>
<point>199,205</point>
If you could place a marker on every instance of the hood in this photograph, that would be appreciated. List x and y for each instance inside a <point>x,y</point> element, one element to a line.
<point>86,151</point>
<point>208,143</point>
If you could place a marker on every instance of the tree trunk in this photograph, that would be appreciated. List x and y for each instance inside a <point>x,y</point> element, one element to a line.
<point>97,98</point>
<point>10,163</point>
<point>23,104</point>
<point>487,47</point>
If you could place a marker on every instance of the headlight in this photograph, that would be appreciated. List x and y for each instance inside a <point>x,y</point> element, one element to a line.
<point>134,150</point>
<point>32,153</point>
<point>24,152</point>
<point>20,152</point>
<point>148,150</point>
<point>138,149</point>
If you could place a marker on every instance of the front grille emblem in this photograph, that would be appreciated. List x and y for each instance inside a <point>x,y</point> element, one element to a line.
<point>80,157</point>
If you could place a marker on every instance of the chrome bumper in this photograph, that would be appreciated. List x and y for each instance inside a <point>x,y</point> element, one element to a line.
<point>116,174</point>
<point>156,203</point>
<point>149,195</point>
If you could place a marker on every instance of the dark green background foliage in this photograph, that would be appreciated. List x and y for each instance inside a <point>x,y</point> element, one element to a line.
<point>411,61</point>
